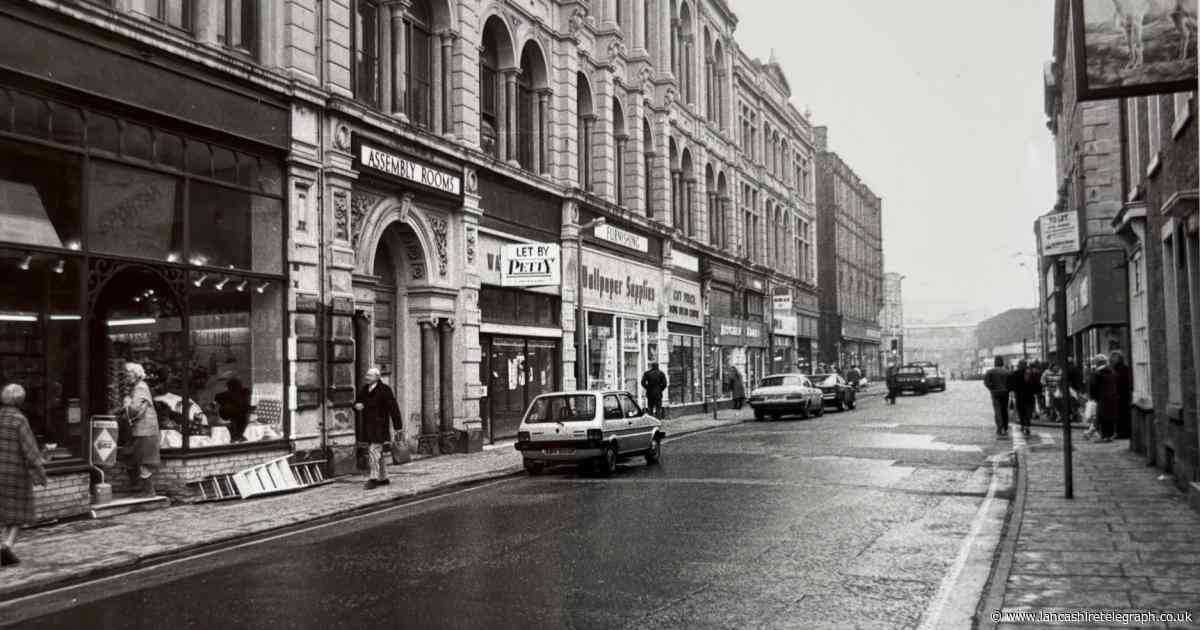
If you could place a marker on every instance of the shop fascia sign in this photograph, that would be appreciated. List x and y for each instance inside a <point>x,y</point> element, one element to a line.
<point>684,304</point>
<point>782,299</point>
<point>786,325</point>
<point>685,261</point>
<point>624,238</point>
<point>610,282</point>
<point>530,265</point>
<point>408,169</point>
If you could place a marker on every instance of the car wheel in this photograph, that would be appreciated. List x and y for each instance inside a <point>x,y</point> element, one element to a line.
<point>759,415</point>
<point>923,391</point>
<point>820,408</point>
<point>608,461</point>
<point>775,417</point>
<point>852,403</point>
<point>655,453</point>
<point>840,405</point>
<point>804,411</point>
<point>533,467</point>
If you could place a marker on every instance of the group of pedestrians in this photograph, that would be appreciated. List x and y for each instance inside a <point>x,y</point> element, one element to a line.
<point>1034,389</point>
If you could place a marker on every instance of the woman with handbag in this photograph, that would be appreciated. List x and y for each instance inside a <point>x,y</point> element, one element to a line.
<point>20,470</point>
<point>138,409</point>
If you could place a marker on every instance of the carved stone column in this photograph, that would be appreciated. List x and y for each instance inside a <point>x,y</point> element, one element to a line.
<point>501,117</point>
<point>536,156</point>
<point>677,199</point>
<point>446,384</point>
<point>726,220</point>
<point>543,131</point>
<point>435,122</point>
<point>589,126</point>
<point>446,53</point>
<point>386,58</point>
<point>510,89</point>
<point>638,8</point>
<point>428,442</point>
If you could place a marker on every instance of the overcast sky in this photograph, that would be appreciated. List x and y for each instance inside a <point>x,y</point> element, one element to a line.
<point>937,105</point>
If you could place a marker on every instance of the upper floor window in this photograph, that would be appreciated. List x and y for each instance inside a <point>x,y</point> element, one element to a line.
<point>237,25</point>
<point>176,13</point>
<point>366,51</point>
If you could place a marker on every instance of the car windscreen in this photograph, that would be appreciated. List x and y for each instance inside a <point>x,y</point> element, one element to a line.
<point>776,381</point>
<point>931,371</point>
<point>566,408</point>
<point>824,380</point>
<point>911,371</point>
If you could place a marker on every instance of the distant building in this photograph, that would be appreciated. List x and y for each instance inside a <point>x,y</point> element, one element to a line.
<point>1012,335</point>
<point>951,346</point>
<point>850,267</point>
<point>892,324</point>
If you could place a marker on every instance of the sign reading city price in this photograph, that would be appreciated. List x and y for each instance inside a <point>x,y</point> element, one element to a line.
<point>1060,233</point>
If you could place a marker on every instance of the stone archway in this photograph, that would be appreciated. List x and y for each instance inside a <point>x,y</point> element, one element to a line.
<point>404,315</point>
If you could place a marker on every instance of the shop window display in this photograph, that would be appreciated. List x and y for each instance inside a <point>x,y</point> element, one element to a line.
<point>39,340</point>
<point>232,228</point>
<point>684,370</point>
<point>602,351</point>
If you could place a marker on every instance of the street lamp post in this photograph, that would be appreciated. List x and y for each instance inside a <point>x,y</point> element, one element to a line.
<point>580,324</point>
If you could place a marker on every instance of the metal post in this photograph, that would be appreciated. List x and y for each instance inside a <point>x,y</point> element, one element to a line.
<point>1064,387</point>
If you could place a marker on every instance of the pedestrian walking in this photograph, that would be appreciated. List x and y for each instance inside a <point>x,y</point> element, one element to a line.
<point>1051,387</point>
<point>1124,377</point>
<point>1024,390</point>
<point>891,385</point>
<point>20,470</point>
<point>1103,389</point>
<point>1034,377</point>
<point>141,457</point>
<point>654,382</point>
<point>854,375</point>
<point>996,381</point>
<point>377,404</point>
<point>737,387</point>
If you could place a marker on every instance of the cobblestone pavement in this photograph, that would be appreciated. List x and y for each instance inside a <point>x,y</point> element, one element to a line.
<point>1127,542</point>
<point>76,549</point>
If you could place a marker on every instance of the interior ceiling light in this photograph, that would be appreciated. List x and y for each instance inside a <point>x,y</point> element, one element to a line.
<point>241,286</point>
<point>25,262</point>
<point>59,266</point>
<point>262,287</point>
<point>200,280</point>
<point>221,285</point>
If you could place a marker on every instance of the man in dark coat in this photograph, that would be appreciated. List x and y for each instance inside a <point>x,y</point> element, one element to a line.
<point>1103,388</point>
<point>654,382</point>
<point>1125,393</point>
<point>378,405</point>
<point>891,385</point>
<point>737,388</point>
<point>1022,386</point>
<point>996,380</point>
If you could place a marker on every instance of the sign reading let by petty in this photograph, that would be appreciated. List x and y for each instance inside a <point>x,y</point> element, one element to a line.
<point>1060,233</point>
<point>530,265</point>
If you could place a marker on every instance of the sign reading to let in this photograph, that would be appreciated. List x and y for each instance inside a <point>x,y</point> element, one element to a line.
<point>1060,233</point>
<point>530,265</point>
<point>104,441</point>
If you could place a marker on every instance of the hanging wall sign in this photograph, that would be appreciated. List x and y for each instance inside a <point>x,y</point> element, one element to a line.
<point>530,265</point>
<point>614,234</point>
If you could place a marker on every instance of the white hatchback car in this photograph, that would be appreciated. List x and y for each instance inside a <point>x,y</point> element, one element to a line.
<point>587,427</point>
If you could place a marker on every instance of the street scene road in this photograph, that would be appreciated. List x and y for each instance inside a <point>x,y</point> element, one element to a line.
<point>854,519</point>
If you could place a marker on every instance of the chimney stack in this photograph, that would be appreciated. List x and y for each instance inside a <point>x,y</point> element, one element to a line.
<point>821,137</point>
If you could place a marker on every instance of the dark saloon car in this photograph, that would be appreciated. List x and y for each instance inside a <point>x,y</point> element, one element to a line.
<point>835,391</point>
<point>920,379</point>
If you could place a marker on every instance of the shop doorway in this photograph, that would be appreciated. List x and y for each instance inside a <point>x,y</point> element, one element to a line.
<point>515,370</point>
<point>375,331</point>
<point>136,318</point>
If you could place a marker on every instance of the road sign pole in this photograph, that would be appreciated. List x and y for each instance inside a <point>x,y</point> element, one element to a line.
<point>1064,386</point>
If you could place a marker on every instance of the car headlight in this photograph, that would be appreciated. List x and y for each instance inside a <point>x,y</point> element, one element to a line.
<point>922,379</point>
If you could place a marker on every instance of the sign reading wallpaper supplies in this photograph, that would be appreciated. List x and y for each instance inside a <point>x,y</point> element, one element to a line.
<point>613,283</point>
<point>530,265</point>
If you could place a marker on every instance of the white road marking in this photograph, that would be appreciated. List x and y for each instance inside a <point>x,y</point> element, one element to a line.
<point>938,605</point>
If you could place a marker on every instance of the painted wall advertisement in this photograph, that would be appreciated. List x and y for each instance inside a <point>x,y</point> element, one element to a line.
<point>684,302</point>
<point>621,285</point>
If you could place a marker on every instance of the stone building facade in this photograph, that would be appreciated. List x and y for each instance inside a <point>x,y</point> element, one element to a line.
<point>850,228</point>
<point>892,319</point>
<point>321,187</point>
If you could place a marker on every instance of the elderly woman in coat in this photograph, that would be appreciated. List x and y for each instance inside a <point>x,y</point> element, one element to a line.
<point>20,470</point>
<point>138,408</point>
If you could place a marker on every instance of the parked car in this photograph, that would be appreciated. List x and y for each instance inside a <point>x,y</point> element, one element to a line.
<point>912,378</point>
<point>934,378</point>
<point>782,394</point>
<point>835,391</point>
<point>589,428</point>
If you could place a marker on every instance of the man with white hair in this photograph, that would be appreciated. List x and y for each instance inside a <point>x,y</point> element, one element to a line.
<point>377,404</point>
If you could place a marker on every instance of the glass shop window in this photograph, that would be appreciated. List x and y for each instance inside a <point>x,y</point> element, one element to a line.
<point>232,228</point>
<point>134,212</point>
<point>39,196</point>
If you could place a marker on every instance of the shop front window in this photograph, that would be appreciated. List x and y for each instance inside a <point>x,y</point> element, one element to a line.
<point>39,196</point>
<point>684,370</point>
<point>39,340</point>
<point>232,228</point>
<point>601,351</point>
<point>134,212</point>
<point>235,360</point>
<point>631,355</point>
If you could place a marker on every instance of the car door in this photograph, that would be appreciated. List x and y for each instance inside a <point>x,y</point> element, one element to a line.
<point>614,422</point>
<point>640,430</point>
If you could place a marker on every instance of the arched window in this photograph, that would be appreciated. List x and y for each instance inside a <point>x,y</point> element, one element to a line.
<point>496,53</point>
<point>676,184</point>
<point>585,122</point>
<point>532,105</point>
<point>688,219</point>
<point>686,51</point>
<point>710,197</point>
<point>722,228</point>
<point>709,77</point>
<point>718,85</point>
<point>621,140</point>
<point>647,167</point>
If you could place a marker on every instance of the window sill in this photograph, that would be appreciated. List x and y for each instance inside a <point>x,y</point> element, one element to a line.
<point>226,449</point>
<point>66,466</point>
